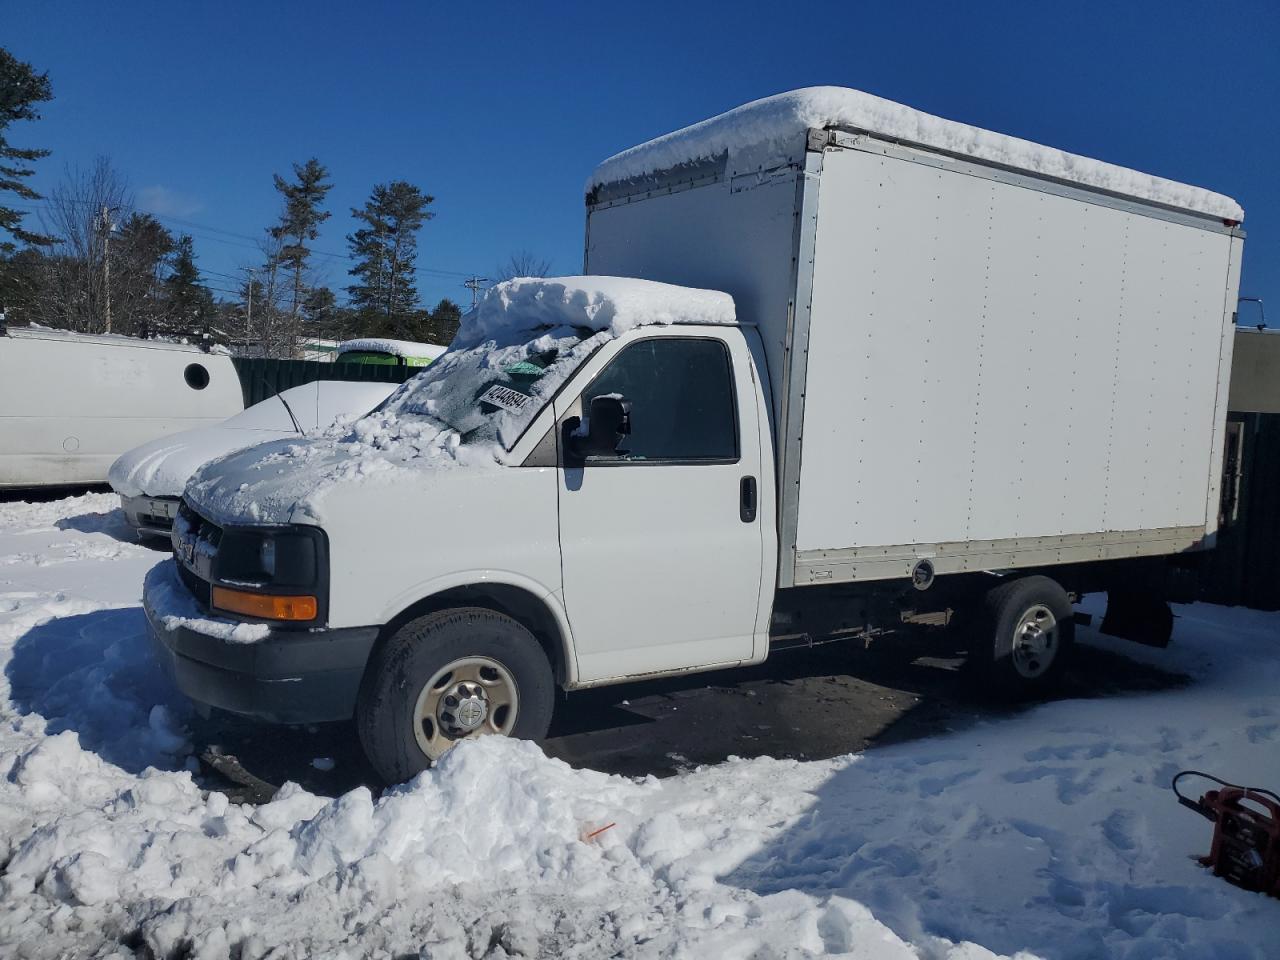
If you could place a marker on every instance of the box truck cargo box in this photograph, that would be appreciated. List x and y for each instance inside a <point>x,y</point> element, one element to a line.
<point>984,353</point>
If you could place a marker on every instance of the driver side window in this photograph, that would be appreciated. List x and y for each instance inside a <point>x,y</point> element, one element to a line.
<point>683,407</point>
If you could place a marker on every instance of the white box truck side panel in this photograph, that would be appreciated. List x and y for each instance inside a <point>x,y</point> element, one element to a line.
<point>740,240</point>
<point>1001,373</point>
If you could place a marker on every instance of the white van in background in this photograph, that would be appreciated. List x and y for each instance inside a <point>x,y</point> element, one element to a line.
<point>71,403</point>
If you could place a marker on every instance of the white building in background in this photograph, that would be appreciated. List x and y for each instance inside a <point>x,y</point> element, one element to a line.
<point>314,348</point>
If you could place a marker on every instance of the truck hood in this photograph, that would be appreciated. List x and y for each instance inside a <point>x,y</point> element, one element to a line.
<point>288,480</point>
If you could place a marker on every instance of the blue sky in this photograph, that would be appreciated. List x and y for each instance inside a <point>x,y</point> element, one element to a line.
<point>501,110</point>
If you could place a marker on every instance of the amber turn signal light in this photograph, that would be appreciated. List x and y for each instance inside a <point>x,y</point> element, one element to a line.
<point>265,605</point>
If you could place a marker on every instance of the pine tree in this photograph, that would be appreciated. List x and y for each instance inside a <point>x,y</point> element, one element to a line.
<point>319,306</point>
<point>321,316</point>
<point>442,322</point>
<point>300,222</point>
<point>189,302</point>
<point>21,88</point>
<point>385,251</point>
<point>140,252</point>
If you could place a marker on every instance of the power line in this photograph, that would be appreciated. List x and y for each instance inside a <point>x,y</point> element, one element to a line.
<point>252,242</point>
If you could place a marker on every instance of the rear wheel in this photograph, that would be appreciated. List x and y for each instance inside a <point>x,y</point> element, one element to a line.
<point>1025,636</point>
<point>450,676</point>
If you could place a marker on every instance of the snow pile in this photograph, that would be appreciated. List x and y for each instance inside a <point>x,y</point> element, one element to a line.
<point>399,348</point>
<point>770,132</point>
<point>1048,834</point>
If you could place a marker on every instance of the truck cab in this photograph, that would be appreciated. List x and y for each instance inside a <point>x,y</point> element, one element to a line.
<point>551,505</point>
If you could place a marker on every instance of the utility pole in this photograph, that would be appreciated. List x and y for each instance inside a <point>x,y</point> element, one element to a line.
<point>248,315</point>
<point>473,284</point>
<point>106,263</point>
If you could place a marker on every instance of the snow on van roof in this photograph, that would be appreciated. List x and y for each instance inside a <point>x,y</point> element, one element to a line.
<point>772,131</point>
<point>399,348</point>
<point>36,331</point>
<point>602,304</point>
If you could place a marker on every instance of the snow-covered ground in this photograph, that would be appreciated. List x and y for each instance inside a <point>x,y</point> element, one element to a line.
<point>1051,833</point>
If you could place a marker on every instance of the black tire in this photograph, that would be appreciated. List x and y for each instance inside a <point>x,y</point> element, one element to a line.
<point>1011,667</point>
<point>406,663</point>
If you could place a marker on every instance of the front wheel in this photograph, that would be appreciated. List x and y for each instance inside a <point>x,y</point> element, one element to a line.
<point>1025,636</point>
<point>450,676</point>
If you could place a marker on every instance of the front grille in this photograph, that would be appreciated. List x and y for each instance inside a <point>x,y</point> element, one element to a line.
<point>154,521</point>
<point>200,589</point>
<point>206,536</point>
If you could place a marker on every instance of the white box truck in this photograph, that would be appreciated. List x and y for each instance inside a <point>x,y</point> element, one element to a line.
<point>870,369</point>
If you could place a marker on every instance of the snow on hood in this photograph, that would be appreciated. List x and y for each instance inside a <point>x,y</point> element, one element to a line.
<point>263,483</point>
<point>526,338</point>
<point>162,467</point>
<point>772,130</point>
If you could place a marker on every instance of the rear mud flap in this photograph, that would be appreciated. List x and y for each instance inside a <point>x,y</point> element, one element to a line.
<point>1141,617</point>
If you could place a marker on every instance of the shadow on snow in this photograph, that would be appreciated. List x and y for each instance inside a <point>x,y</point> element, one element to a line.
<point>95,674</point>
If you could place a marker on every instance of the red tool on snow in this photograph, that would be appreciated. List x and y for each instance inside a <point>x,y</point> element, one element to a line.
<point>1246,833</point>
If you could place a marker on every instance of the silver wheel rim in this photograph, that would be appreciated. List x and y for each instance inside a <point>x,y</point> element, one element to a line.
<point>1035,642</point>
<point>469,697</point>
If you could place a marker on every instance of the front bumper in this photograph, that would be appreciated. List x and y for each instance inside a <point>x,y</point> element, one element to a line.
<point>290,676</point>
<point>151,515</point>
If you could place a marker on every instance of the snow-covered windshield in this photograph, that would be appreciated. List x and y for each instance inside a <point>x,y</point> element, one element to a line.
<point>519,346</point>
<point>491,392</point>
<point>510,357</point>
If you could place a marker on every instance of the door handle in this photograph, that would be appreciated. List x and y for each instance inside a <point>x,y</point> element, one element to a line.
<point>747,499</point>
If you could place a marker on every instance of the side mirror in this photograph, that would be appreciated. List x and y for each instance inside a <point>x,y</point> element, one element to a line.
<point>607,422</point>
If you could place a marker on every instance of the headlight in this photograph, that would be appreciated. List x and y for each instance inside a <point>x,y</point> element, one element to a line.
<point>284,557</point>
<point>271,573</point>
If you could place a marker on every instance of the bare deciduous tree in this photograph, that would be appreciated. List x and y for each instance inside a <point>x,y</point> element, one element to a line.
<point>522,264</point>
<point>80,214</point>
<point>272,328</point>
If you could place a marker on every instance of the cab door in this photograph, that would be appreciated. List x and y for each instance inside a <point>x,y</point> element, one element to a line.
<point>661,540</point>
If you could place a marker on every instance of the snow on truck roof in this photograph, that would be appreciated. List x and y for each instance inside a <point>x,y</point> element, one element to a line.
<point>601,304</point>
<point>772,130</point>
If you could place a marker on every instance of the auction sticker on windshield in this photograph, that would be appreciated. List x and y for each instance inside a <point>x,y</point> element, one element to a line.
<point>505,398</point>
